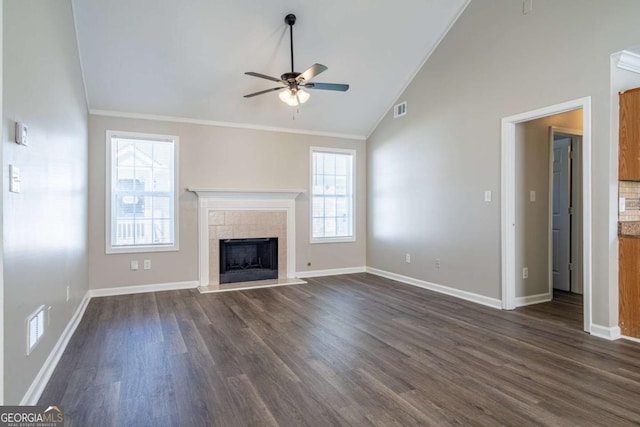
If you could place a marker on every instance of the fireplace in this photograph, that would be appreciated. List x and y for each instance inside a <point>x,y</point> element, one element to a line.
<point>225,214</point>
<point>247,260</point>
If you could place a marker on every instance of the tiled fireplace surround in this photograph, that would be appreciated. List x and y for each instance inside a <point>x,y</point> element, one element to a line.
<point>237,214</point>
<point>246,224</point>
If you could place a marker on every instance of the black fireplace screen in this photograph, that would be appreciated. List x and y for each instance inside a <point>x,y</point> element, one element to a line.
<point>246,260</point>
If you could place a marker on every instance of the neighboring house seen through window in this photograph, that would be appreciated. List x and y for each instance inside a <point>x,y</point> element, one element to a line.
<point>141,193</point>
<point>332,195</point>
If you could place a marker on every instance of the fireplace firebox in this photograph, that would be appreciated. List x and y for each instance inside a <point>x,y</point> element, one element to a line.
<point>246,260</point>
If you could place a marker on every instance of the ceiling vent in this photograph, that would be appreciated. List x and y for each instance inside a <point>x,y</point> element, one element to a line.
<point>399,110</point>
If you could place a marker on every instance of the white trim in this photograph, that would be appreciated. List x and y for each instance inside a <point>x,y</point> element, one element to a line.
<point>36,388</point>
<point>212,289</point>
<point>634,339</point>
<point>340,239</point>
<point>532,299</point>
<point>468,296</point>
<point>141,289</point>
<point>240,193</point>
<point>330,272</point>
<point>629,61</point>
<point>608,333</point>
<point>109,249</point>
<point>249,126</point>
<point>415,73</point>
<point>508,199</point>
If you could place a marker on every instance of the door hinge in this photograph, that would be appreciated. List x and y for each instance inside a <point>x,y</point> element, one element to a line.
<point>570,266</point>
<point>570,210</point>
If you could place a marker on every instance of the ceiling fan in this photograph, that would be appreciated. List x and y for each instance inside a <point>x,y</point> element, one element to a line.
<point>291,91</point>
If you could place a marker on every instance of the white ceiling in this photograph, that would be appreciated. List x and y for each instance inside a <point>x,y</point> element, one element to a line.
<point>186,59</point>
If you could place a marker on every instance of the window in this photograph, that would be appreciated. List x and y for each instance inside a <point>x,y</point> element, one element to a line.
<point>332,209</point>
<point>142,213</point>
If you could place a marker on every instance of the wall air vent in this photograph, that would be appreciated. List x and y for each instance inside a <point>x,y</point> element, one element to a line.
<point>399,109</point>
<point>35,328</point>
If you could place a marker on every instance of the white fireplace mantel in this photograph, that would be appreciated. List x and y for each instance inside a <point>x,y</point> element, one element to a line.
<point>251,194</point>
<point>211,199</point>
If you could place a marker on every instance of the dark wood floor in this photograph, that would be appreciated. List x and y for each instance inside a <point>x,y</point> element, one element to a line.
<point>347,350</point>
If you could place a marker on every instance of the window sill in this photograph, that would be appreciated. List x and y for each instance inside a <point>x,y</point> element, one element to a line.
<point>333,240</point>
<point>140,249</point>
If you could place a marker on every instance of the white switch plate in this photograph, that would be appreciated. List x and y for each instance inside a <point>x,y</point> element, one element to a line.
<point>532,195</point>
<point>134,264</point>
<point>407,258</point>
<point>527,6</point>
<point>487,196</point>
<point>622,204</point>
<point>525,273</point>
<point>147,264</point>
<point>14,179</point>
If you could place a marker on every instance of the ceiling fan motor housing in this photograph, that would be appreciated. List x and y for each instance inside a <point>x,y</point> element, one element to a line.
<point>290,19</point>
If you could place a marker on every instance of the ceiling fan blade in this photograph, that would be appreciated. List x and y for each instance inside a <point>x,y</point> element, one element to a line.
<point>327,86</point>
<point>262,76</point>
<point>311,72</point>
<point>263,91</point>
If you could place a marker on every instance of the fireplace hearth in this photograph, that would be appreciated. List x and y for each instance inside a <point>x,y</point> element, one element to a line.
<point>247,260</point>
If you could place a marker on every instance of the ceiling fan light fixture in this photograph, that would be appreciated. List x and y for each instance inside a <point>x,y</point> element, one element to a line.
<point>293,97</point>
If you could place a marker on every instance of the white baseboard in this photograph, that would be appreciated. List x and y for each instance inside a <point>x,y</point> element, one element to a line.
<point>332,272</point>
<point>468,296</point>
<point>608,333</point>
<point>533,299</point>
<point>140,289</point>
<point>634,339</point>
<point>34,392</point>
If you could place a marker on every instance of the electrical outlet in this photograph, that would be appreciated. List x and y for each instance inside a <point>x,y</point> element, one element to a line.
<point>407,258</point>
<point>525,273</point>
<point>437,262</point>
<point>147,264</point>
<point>68,293</point>
<point>134,264</point>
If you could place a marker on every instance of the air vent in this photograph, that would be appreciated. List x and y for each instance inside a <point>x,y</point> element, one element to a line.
<point>399,110</point>
<point>35,328</point>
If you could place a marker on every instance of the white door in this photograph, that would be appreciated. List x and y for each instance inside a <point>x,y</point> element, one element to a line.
<point>561,232</point>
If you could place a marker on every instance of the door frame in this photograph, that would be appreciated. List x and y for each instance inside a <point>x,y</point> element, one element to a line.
<point>576,222</point>
<point>508,199</point>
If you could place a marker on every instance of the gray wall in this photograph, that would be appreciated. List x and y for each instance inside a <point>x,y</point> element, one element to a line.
<point>45,226</point>
<point>219,157</point>
<point>532,218</point>
<point>427,170</point>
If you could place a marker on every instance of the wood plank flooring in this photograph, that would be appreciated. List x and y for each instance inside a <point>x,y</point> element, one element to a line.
<point>354,350</point>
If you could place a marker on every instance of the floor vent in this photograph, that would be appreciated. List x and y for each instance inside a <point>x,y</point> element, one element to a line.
<point>400,110</point>
<point>35,328</point>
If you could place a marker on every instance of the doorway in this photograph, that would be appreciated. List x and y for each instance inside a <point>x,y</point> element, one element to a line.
<point>509,197</point>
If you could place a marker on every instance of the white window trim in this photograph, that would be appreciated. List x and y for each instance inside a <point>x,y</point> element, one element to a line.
<point>321,240</point>
<point>141,248</point>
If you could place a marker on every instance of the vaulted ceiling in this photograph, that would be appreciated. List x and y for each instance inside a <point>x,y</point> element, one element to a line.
<point>186,59</point>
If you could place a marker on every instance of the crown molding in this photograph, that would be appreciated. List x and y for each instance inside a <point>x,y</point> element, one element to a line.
<point>629,61</point>
<point>249,126</point>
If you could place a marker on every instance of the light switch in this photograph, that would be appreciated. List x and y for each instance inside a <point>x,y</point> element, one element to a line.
<point>623,204</point>
<point>487,196</point>
<point>532,195</point>
<point>14,179</point>
<point>527,6</point>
